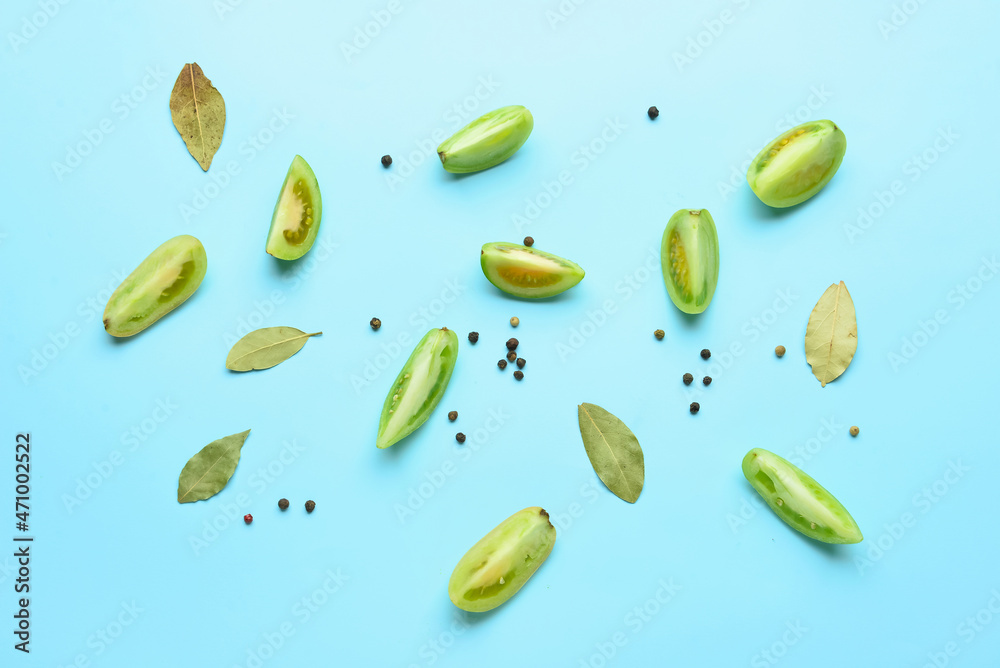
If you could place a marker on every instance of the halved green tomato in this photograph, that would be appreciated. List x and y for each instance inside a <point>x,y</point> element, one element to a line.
<point>419,387</point>
<point>161,283</point>
<point>798,164</point>
<point>689,258</point>
<point>496,567</point>
<point>297,214</point>
<point>526,272</point>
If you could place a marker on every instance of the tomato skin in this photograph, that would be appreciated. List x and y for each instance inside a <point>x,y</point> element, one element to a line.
<point>689,259</point>
<point>526,272</point>
<point>797,164</point>
<point>486,141</point>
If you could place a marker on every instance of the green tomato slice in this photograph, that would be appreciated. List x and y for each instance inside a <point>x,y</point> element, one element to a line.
<point>487,141</point>
<point>797,164</point>
<point>526,272</point>
<point>419,387</point>
<point>801,502</point>
<point>161,283</point>
<point>297,213</point>
<point>689,258</point>
<point>496,567</point>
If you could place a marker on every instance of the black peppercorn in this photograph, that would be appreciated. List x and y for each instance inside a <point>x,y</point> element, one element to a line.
<point>386,160</point>
<point>653,113</point>
<point>502,364</point>
<point>473,337</point>
<point>512,344</point>
<point>520,362</point>
<point>706,353</point>
<point>452,415</point>
<point>283,504</point>
<point>695,407</point>
<point>519,375</point>
<point>707,380</point>
<point>528,241</point>
<point>659,334</point>
<point>511,356</point>
<point>375,323</point>
<point>460,437</point>
<point>688,378</point>
<point>310,506</point>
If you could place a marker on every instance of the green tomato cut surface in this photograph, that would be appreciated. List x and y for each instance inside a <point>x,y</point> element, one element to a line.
<point>801,502</point>
<point>486,141</point>
<point>419,387</point>
<point>161,283</point>
<point>297,214</point>
<point>689,258</point>
<point>526,272</point>
<point>496,567</point>
<point>797,164</point>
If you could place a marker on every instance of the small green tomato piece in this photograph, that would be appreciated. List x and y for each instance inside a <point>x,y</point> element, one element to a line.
<point>502,561</point>
<point>798,164</point>
<point>419,387</point>
<point>689,258</point>
<point>297,213</point>
<point>527,272</point>
<point>161,283</point>
<point>486,141</point>
<point>801,502</point>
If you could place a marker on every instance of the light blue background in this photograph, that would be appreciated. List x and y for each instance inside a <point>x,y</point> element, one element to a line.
<point>402,242</point>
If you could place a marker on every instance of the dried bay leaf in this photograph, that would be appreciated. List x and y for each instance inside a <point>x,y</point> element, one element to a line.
<point>199,113</point>
<point>267,347</point>
<point>613,450</point>
<point>207,472</point>
<point>832,334</point>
